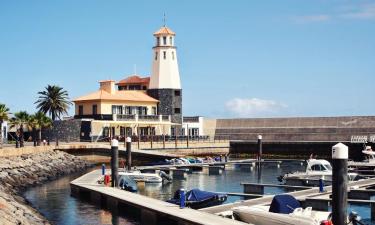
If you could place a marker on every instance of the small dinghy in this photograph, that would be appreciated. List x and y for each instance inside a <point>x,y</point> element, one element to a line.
<point>284,209</point>
<point>197,199</point>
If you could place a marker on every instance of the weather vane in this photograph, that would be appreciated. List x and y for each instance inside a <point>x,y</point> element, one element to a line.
<point>164,20</point>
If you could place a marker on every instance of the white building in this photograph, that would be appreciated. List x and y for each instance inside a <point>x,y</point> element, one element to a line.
<point>192,126</point>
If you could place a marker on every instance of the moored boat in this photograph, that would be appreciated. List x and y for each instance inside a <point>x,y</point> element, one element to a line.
<point>197,199</point>
<point>284,210</point>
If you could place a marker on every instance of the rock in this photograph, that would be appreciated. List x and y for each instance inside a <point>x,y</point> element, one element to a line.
<point>17,173</point>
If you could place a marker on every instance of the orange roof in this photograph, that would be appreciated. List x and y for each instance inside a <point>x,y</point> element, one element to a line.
<point>164,30</point>
<point>124,95</point>
<point>134,80</point>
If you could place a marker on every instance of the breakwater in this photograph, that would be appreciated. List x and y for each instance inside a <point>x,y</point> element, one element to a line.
<point>19,172</point>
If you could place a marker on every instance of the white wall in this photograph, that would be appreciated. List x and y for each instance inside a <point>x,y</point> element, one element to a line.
<point>190,125</point>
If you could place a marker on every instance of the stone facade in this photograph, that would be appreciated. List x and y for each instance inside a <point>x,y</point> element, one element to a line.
<point>169,101</point>
<point>67,130</point>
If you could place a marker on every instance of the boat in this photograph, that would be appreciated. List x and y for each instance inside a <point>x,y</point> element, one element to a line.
<point>137,176</point>
<point>197,199</point>
<point>128,184</point>
<point>316,169</point>
<point>367,166</point>
<point>284,210</point>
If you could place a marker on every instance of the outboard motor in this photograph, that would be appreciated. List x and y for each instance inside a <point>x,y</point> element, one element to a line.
<point>355,219</point>
<point>165,176</point>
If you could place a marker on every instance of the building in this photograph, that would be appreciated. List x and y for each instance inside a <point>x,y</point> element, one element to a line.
<point>137,105</point>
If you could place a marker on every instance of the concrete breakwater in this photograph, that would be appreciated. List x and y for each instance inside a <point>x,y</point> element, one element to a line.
<point>19,172</point>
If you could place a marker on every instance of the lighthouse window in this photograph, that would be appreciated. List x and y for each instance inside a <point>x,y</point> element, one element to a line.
<point>170,40</point>
<point>156,55</point>
<point>177,93</point>
<point>158,41</point>
<point>173,55</point>
<point>164,54</point>
<point>164,40</point>
<point>177,110</point>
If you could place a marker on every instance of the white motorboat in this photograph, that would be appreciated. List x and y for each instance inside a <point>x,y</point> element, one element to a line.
<point>284,210</point>
<point>142,177</point>
<point>366,166</point>
<point>316,169</point>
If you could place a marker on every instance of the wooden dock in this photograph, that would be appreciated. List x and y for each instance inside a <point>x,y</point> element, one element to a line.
<point>150,211</point>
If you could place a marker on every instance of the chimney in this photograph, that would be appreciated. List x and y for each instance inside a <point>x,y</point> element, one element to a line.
<point>108,86</point>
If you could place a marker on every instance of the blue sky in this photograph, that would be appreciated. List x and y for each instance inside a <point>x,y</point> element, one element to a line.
<point>236,58</point>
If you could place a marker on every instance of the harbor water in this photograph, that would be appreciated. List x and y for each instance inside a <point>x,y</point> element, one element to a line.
<point>53,199</point>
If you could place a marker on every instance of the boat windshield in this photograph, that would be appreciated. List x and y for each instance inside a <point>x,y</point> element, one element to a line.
<point>328,166</point>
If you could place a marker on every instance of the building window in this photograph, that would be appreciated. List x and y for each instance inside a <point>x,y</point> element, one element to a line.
<point>177,93</point>
<point>154,111</point>
<point>156,55</point>
<point>170,40</point>
<point>164,40</point>
<point>94,109</point>
<point>128,110</point>
<point>173,131</point>
<point>144,87</point>
<point>177,110</point>
<point>164,54</point>
<point>173,55</point>
<point>158,41</point>
<point>80,110</point>
<point>117,109</point>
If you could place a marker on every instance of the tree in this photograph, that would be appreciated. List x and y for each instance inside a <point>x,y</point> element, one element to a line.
<point>41,121</point>
<point>54,101</point>
<point>19,120</point>
<point>4,115</point>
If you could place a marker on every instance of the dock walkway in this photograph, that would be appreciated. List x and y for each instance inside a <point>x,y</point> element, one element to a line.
<point>151,210</point>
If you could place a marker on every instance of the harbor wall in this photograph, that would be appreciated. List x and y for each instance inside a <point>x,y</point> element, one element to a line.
<point>25,170</point>
<point>296,135</point>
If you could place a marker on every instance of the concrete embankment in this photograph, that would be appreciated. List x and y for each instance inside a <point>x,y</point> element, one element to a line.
<point>19,172</point>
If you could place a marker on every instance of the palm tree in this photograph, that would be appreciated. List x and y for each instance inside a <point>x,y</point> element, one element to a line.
<point>41,121</point>
<point>19,120</point>
<point>54,101</point>
<point>31,125</point>
<point>4,115</point>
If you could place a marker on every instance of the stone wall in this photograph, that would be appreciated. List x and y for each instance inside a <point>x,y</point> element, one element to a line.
<point>296,129</point>
<point>19,172</point>
<point>65,130</point>
<point>168,102</point>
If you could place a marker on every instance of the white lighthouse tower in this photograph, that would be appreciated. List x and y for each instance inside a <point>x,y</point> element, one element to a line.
<point>165,84</point>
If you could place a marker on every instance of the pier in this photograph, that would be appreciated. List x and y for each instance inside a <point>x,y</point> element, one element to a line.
<point>151,211</point>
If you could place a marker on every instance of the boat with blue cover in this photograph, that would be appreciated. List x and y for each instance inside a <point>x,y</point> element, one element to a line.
<point>197,199</point>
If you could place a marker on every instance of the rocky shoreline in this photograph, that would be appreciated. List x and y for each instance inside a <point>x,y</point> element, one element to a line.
<point>19,172</point>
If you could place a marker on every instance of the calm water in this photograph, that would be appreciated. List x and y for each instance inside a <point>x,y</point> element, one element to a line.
<point>53,199</point>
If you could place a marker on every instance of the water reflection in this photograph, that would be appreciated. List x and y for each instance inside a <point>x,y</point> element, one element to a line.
<point>53,199</point>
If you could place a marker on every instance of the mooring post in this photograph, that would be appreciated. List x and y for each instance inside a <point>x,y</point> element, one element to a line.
<point>182,198</point>
<point>114,163</point>
<point>339,183</point>
<point>163,141</point>
<point>129,153</point>
<point>103,169</point>
<point>321,185</point>
<point>259,148</point>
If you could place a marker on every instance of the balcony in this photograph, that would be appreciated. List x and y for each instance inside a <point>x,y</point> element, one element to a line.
<point>123,117</point>
<point>142,118</point>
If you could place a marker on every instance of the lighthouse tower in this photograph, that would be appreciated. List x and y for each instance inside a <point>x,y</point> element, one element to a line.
<point>165,84</point>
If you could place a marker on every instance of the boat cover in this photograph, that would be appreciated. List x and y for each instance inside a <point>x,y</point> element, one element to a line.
<point>198,195</point>
<point>284,204</point>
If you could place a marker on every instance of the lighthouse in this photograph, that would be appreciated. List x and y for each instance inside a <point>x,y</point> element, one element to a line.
<point>165,83</point>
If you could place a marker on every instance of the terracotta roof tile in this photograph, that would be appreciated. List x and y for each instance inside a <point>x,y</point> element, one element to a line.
<point>124,95</point>
<point>164,30</point>
<point>134,80</point>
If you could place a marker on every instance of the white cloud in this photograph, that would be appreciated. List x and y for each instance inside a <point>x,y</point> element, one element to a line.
<point>253,107</point>
<point>364,11</point>
<point>311,18</point>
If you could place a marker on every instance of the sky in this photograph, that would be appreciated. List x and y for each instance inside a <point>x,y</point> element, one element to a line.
<point>236,58</point>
